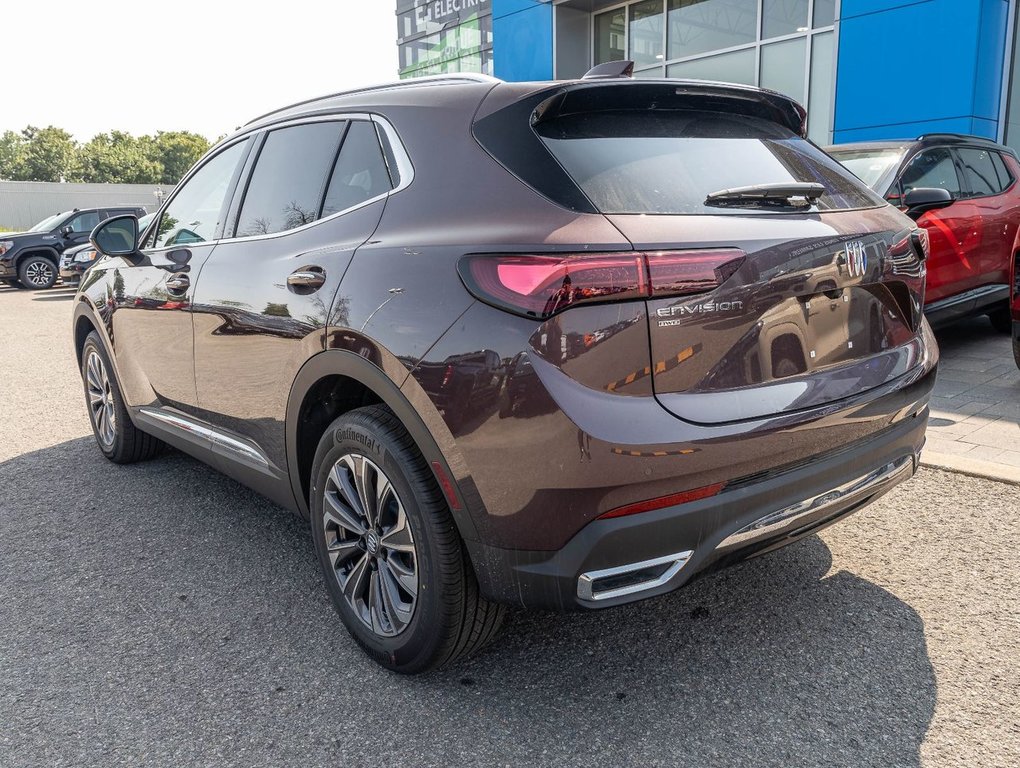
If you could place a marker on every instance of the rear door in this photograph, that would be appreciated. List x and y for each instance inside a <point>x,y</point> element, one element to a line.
<point>315,194</point>
<point>955,232</point>
<point>987,179</point>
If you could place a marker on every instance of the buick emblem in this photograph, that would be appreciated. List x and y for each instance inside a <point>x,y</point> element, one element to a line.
<point>856,258</point>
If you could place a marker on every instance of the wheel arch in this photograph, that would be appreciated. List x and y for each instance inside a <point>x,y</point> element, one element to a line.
<point>336,381</point>
<point>38,250</point>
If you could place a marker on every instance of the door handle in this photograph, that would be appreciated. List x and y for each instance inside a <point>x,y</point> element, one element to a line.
<point>307,277</point>
<point>179,282</point>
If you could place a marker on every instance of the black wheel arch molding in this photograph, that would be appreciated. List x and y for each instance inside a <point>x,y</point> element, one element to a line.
<point>336,362</point>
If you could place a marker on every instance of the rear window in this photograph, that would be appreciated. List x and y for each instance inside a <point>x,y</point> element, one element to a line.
<point>669,162</point>
<point>870,165</point>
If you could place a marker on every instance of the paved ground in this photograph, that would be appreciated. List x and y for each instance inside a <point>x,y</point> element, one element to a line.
<point>163,615</point>
<point>976,411</point>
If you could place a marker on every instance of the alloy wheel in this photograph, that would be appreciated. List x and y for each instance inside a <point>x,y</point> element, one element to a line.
<point>39,274</point>
<point>100,395</point>
<point>370,545</point>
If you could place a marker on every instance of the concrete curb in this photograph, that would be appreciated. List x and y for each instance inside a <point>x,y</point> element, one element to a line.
<point>973,467</point>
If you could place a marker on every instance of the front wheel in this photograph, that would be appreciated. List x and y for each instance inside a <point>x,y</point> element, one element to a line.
<point>118,438</point>
<point>393,562</point>
<point>37,272</point>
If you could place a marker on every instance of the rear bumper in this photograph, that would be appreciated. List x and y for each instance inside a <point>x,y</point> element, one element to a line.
<point>620,560</point>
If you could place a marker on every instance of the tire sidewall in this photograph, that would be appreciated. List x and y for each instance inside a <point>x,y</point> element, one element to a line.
<point>418,641</point>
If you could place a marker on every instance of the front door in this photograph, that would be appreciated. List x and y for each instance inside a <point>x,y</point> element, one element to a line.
<point>151,295</point>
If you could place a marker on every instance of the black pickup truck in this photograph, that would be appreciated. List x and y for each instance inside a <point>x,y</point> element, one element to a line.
<point>32,259</point>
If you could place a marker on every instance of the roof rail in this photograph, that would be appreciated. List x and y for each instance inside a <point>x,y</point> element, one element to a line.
<point>465,77</point>
<point>954,137</point>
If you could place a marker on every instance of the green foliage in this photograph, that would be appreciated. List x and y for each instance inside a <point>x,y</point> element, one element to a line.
<point>51,154</point>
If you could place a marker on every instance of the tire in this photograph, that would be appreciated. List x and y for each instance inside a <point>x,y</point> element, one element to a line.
<point>37,273</point>
<point>117,437</point>
<point>1016,347</point>
<point>1001,320</point>
<point>435,613</point>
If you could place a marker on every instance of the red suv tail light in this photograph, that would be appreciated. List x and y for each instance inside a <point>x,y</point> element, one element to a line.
<point>539,286</point>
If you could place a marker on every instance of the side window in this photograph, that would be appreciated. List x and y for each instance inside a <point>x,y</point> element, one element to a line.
<point>84,222</point>
<point>360,172</point>
<point>980,172</point>
<point>286,186</point>
<point>931,168</point>
<point>194,213</point>
<point>1002,171</point>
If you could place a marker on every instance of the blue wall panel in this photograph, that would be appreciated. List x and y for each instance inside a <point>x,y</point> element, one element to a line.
<point>907,68</point>
<point>522,39</point>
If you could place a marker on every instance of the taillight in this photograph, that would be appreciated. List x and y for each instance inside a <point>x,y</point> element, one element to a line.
<point>661,502</point>
<point>539,286</point>
<point>447,375</point>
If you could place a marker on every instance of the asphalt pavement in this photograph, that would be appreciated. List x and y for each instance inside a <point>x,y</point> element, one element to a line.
<point>161,614</point>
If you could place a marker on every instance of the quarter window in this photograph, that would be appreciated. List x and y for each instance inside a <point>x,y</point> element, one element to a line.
<point>979,167</point>
<point>932,168</point>
<point>286,185</point>
<point>360,172</point>
<point>195,211</point>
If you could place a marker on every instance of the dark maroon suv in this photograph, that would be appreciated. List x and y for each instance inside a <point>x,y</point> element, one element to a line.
<point>561,345</point>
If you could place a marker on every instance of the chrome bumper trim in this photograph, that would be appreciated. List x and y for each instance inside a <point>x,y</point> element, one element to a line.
<point>586,582</point>
<point>787,518</point>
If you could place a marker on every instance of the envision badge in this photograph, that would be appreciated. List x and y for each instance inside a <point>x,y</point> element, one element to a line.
<point>856,258</point>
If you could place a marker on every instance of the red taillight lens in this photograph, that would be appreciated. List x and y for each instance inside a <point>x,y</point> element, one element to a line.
<point>541,285</point>
<point>447,375</point>
<point>664,501</point>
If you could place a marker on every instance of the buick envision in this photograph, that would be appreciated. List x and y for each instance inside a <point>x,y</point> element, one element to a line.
<point>561,345</point>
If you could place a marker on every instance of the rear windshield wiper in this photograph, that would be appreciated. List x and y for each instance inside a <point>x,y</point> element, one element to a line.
<point>794,194</point>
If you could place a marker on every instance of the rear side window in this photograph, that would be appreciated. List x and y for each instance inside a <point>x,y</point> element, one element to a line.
<point>286,185</point>
<point>668,162</point>
<point>984,171</point>
<point>931,168</point>
<point>361,170</point>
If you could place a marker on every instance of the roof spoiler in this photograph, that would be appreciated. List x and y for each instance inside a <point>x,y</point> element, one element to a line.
<point>609,70</point>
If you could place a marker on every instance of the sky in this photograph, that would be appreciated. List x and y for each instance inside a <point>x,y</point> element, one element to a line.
<point>206,66</point>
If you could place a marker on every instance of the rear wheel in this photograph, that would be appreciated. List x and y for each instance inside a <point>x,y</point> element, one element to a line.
<point>118,438</point>
<point>394,564</point>
<point>1001,320</point>
<point>37,272</point>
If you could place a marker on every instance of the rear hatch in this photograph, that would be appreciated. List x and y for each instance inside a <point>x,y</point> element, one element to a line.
<point>783,284</point>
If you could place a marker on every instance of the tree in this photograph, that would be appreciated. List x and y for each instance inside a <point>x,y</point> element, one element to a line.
<point>177,151</point>
<point>120,158</point>
<point>12,152</point>
<point>50,154</point>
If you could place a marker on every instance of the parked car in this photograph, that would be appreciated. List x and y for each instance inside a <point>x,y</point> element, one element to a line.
<point>76,261</point>
<point>31,259</point>
<point>972,230</point>
<point>408,228</point>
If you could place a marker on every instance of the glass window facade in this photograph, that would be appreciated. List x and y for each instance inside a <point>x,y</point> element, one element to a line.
<point>785,45</point>
<point>441,38</point>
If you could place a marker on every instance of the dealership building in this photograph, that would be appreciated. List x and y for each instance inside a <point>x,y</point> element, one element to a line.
<point>865,69</point>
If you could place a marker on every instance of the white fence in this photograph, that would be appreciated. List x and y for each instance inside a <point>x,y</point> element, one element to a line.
<point>23,203</point>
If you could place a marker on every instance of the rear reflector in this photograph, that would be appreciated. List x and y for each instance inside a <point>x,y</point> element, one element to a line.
<point>539,286</point>
<point>664,501</point>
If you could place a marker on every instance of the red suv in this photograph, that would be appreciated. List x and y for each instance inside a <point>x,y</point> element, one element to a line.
<point>962,190</point>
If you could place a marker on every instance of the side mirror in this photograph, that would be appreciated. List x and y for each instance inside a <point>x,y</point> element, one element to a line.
<point>923,199</point>
<point>67,231</point>
<point>117,236</point>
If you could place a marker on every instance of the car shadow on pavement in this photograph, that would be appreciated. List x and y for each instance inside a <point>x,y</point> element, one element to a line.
<point>162,609</point>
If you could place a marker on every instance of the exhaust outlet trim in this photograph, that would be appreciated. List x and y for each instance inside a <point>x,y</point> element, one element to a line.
<point>588,587</point>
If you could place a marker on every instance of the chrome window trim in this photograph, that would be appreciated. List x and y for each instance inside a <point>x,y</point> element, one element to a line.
<point>404,166</point>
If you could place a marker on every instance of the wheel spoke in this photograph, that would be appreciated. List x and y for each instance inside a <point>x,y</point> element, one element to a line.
<point>398,538</point>
<point>355,583</point>
<point>339,514</point>
<point>398,610</point>
<point>341,550</point>
<point>375,607</point>
<point>406,577</point>
<point>363,481</point>
<point>347,494</point>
